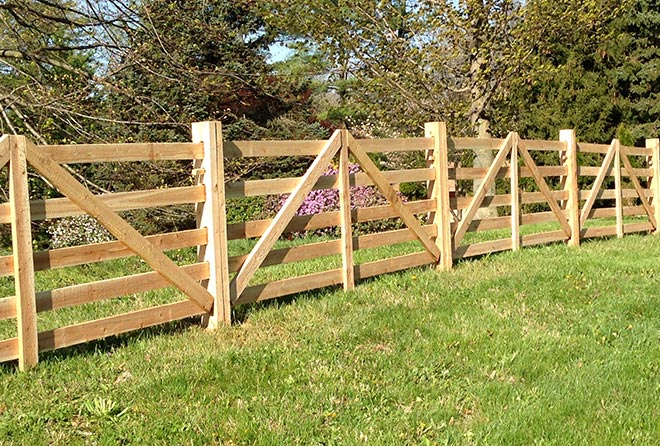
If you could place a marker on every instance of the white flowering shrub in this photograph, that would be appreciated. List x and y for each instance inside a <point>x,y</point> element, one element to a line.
<point>76,231</point>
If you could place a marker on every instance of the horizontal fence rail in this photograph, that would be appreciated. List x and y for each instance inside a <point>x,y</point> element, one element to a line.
<point>532,192</point>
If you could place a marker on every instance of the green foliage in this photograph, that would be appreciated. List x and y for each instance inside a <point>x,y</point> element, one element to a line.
<point>603,84</point>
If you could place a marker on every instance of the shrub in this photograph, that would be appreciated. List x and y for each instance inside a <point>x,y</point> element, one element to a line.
<point>76,231</point>
<point>327,200</point>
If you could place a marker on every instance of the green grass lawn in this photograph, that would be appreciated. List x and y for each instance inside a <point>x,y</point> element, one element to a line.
<point>549,345</point>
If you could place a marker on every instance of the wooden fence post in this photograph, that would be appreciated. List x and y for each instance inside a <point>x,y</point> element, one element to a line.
<point>348,274</point>
<point>618,189</point>
<point>654,145</point>
<point>21,231</point>
<point>515,195</point>
<point>442,215</point>
<point>212,215</point>
<point>572,187</point>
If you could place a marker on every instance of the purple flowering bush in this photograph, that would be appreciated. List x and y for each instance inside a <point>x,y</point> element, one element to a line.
<point>327,200</point>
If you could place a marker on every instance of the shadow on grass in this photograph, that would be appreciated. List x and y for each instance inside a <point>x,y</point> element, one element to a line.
<point>107,345</point>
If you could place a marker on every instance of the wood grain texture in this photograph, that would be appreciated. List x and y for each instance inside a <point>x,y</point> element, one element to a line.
<point>212,215</point>
<point>124,232</point>
<point>638,187</point>
<point>21,233</point>
<point>393,198</point>
<point>284,216</point>
<point>100,252</point>
<point>441,193</point>
<point>598,183</point>
<point>121,201</point>
<point>348,277</point>
<point>477,200</point>
<point>101,153</point>
<point>543,186</point>
<point>4,150</point>
<point>114,325</point>
<point>571,185</point>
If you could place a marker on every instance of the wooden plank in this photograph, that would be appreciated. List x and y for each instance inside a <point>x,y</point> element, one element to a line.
<point>505,199</point>
<point>543,238</point>
<point>545,190</point>
<point>646,226</point>
<point>610,194</point>
<point>390,237</point>
<point>604,148</point>
<point>638,187</point>
<point>114,325</point>
<point>276,186</point>
<point>628,211</point>
<point>103,153</point>
<point>476,173</point>
<point>279,288</point>
<point>515,195</point>
<point>567,137</point>
<point>387,145</point>
<point>104,289</point>
<point>7,307</point>
<point>212,215</point>
<point>279,223</point>
<point>479,249</point>
<point>82,255</point>
<point>124,232</point>
<point>4,150</point>
<point>601,231</point>
<point>483,188</point>
<point>331,247</point>
<point>8,349</point>
<point>592,171</point>
<point>257,228</point>
<point>393,198</point>
<point>122,201</point>
<point>542,145</point>
<point>474,143</point>
<point>539,217</point>
<point>654,146</point>
<point>598,183</point>
<point>594,148</point>
<point>618,188</point>
<point>392,265</point>
<point>441,193</point>
<point>21,234</point>
<point>348,277</point>
<point>249,149</point>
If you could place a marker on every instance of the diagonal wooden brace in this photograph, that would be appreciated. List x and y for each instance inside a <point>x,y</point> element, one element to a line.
<point>637,186</point>
<point>392,197</point>
<point>483,188</point>
<point>543,187</point>
<point>283,217</point>
<point>598,183</point>
<point>118,227</point>
<point>4,150</point>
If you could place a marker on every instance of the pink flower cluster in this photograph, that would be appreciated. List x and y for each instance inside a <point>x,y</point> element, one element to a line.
<point>327,200</point>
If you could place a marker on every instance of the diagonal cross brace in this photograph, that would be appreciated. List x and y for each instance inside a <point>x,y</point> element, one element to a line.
<point>543,187</point>
<point>483,188</point>
<point>284,216</point>
<point>637,186</point>
<point>392,197</point>
<point>118,227</point>
<point>598,183</point>
<point>4,150</point>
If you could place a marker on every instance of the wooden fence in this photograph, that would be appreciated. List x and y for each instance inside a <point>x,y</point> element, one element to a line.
<point>559,199</point>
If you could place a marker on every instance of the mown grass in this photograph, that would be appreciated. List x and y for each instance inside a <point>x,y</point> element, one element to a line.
<point>548,345</point>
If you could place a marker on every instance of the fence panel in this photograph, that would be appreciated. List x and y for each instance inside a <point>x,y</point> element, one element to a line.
<point>343,219</point>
